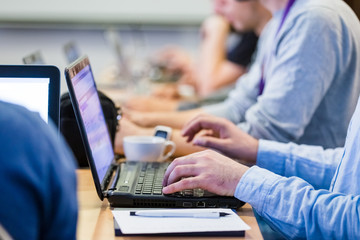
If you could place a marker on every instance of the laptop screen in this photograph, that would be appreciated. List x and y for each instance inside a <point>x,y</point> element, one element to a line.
<point>32,93</point>
<point>93,120</point>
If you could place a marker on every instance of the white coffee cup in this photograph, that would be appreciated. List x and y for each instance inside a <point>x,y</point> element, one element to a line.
<point>147,148</point>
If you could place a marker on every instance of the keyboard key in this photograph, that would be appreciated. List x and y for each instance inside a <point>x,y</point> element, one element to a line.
<point>124,188</point>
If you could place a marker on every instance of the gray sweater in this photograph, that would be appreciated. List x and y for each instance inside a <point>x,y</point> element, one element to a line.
<point>312,77</point>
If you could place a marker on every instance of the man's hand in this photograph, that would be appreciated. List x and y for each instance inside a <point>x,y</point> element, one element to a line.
<point>215,25</point>
<point>174,59</point>
<point>207,170</point>
<point>223,136</point>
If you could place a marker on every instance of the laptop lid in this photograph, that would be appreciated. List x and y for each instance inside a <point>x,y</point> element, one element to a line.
<point>91,121</point>
<point>34,87</point>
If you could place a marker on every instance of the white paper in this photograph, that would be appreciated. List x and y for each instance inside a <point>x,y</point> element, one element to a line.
<point>152,225</point>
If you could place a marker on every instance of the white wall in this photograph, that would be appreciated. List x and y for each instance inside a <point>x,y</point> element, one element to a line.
<point>46,25</point>
<point>105,11</point>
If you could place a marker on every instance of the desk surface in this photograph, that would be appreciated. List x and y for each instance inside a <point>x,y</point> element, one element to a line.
<point>96,220</point>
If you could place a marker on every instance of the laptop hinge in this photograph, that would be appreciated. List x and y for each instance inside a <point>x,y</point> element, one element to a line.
<point>111,179</point>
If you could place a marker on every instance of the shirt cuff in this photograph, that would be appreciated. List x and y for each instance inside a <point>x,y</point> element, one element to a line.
<point>272,156</point>
<point>254,187</point>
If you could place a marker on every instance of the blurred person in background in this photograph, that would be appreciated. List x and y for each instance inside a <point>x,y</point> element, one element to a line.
<point>213,74</point>
<point>302,87</point>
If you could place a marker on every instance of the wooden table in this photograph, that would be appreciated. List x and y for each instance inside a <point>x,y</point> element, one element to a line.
<point>96,220</point>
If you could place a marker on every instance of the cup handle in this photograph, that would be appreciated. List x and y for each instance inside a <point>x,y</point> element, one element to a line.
<point>171,152</point>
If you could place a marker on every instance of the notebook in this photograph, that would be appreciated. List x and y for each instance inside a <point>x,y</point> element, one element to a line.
<point>34,87</point>
<point>126,184</point>
<point>126,224</point>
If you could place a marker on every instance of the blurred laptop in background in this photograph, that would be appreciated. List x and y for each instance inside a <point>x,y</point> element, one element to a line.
<point>34,58</point>
<point>71,51</point>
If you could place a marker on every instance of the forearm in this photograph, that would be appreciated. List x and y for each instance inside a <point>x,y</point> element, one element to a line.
<point>303,212</point>
<point>171,119</point>
<point>212,57</point>
<point>225,74</point>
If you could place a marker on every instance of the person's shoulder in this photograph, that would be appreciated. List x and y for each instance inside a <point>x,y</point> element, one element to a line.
<point>18,117</point>
<point>330,17</point>
<point>12,111</point>
<point>23,131</point>
<point>18,123</point>
<point>322,10</point>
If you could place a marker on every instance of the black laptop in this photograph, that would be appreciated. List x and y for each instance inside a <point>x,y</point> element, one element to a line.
<point>126,184</point>
<point>36,87</point>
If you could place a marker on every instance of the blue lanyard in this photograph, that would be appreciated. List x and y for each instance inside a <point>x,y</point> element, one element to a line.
<point>286,12</point>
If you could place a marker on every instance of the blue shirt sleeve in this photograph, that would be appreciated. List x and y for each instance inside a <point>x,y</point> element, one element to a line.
<point>294,208</point>
<point>311,163</point>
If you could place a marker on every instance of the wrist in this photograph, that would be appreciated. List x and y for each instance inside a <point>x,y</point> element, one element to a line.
<point>248,153</point>
<point>241,171</point>
<point>254,151</point>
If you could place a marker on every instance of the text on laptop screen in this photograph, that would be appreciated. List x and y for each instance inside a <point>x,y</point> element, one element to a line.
<point>32,93</point>
<point>93,119</point>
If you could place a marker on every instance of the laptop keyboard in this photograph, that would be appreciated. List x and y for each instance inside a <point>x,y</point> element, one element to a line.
<point>150,182</point>
<point>150,179</point>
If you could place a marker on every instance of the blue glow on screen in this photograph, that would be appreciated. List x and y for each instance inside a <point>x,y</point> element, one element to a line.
<point>93,119</point>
